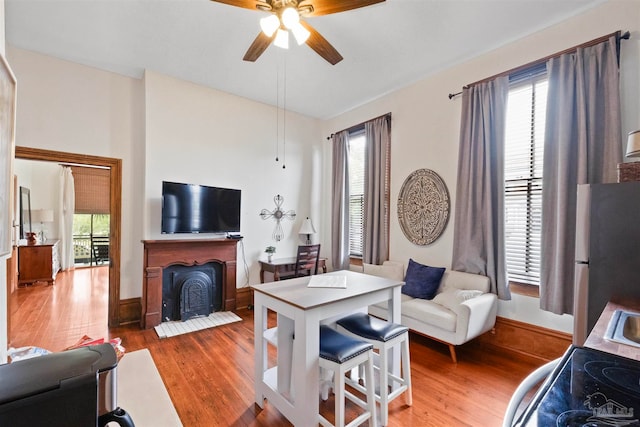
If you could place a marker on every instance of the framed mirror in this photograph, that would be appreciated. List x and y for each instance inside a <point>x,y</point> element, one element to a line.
<point>25,212</point>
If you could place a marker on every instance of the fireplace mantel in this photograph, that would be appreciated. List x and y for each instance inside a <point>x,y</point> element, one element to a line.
<point>159,254</point>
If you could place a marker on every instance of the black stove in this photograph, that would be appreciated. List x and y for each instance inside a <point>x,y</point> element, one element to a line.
<point>589,388</point>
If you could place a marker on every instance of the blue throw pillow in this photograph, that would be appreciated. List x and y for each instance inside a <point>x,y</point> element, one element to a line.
<point>421,280</point>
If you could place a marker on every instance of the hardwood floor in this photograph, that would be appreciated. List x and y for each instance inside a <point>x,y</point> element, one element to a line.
<point>55,316</point>
<point>209,374</point>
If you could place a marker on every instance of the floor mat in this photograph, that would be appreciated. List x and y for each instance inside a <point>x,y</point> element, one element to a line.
<point>177,327</point>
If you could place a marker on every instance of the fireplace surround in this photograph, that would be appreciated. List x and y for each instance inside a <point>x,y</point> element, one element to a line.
<point>161,254</point>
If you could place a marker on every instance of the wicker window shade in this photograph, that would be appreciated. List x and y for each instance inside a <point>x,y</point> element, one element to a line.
<point>91,190</point>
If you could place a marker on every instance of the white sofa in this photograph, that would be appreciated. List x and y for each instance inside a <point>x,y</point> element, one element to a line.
<point>462,309</point>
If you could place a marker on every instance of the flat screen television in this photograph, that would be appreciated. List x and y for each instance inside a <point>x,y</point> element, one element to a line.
<point>192,208</point>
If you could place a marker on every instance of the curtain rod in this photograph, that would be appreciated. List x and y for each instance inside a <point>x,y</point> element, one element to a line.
<point>84,166</point>
<point>619,36</point>
<point>354,127</point>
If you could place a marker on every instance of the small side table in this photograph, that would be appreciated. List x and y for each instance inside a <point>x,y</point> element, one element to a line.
<point>284,265</point>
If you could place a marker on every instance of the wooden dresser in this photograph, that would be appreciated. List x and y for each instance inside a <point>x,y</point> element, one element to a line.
<point>38,263</point>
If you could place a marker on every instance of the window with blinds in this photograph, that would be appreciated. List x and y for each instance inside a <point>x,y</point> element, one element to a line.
<point>357,141</point>
<point>524,149</point>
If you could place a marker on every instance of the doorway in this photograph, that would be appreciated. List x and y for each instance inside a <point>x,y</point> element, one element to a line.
<point>115,209</point>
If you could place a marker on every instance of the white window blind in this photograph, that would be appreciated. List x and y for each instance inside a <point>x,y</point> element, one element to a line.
<point>357,141</point>
<point>524,147</point>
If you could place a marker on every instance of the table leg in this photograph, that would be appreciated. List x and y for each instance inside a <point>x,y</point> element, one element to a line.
<point>260,346</point>
<point>306,375</point>
<point>261,274</point>
<point>285,350</point>
<point>395,316</point>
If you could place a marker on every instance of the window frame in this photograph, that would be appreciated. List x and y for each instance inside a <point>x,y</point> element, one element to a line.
<point>357,131</point>
<point>531,76</point>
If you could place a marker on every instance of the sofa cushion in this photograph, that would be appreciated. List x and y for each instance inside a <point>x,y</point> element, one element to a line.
<point>430,313</point>
<point>422,281</point>
<point>453,297</point>
<point>390,270</point>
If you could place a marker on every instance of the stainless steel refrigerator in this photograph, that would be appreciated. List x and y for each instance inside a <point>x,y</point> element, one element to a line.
<point>607,251</point>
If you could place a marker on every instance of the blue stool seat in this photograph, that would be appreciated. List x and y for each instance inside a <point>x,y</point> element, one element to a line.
<point>338,347</point>
<point>384,336</point>
<point>372,328</point>
<point>339,354</point>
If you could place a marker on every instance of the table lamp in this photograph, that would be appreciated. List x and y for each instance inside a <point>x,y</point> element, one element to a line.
<point>42,216</point>
<point>633,144</point>
<point>307,229</point>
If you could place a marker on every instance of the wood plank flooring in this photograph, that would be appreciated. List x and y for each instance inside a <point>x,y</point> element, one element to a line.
<point>209,374</point>
<point>56,316</point>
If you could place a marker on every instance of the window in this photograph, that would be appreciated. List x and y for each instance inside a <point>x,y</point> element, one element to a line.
<point>357,141</point>
<point>90,238</point>
<point>524,147</point>
<point>91,220</point>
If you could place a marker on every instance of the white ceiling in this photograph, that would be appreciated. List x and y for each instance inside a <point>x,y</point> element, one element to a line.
<point>385,46</point>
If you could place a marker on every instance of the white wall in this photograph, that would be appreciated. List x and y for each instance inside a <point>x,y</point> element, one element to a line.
<point>166,129</point>
<point>72,108</point>
<point>204,136</point>
<point>425,126</point>
<point>41,178</point>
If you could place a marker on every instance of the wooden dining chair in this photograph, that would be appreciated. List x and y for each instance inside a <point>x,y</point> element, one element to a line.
<point>307,260</point>
<point>306,264</point>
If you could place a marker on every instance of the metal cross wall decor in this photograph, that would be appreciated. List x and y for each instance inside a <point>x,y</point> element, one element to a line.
<point>278,214</point>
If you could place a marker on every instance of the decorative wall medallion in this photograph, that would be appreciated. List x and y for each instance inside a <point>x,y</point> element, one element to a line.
<point>423,207</point>
<point>278,214</point>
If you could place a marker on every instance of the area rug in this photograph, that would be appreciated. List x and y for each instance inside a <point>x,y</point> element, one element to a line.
<point>177,327</point>
<point>142,393</point>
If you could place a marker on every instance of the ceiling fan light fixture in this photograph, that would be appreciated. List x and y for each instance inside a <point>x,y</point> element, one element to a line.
<point>282,39</point>
<point>300,33</point>
<point>290,17</point>
<point>269,25</point>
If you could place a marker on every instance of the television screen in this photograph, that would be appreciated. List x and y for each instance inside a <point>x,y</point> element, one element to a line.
<point>191,208</point>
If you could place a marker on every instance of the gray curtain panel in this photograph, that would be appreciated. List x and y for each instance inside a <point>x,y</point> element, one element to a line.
<point>376,239</point>
<point>478,237</point>
<point>583,144</point>
<point>340,202</point>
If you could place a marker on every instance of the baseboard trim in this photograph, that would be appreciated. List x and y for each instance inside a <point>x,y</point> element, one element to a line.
<point>526,339</point>
<point>244,298</point>
<point>129,311</point>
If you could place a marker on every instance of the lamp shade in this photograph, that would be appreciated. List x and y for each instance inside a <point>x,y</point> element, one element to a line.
<point>42,215</point>
<point>290,17</point>
<point>300,33</point>
<point>307,227</point>
<point>269,24</point>
<point>633,144</point>
<point>282,39</point>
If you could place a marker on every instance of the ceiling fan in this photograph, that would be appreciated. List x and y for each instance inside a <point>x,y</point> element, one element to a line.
<point>285,16</point>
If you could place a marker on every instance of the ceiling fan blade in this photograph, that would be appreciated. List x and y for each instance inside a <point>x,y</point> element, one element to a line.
<point>326,7</point>
<point>247,4</point>
<point>259,45</point>
<point>321,45</point>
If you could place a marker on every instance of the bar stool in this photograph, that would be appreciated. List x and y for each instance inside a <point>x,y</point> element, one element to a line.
<point>340,353</point>
<point>383,336</point>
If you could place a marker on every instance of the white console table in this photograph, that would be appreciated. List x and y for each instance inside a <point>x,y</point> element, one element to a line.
<point>292,385</point>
